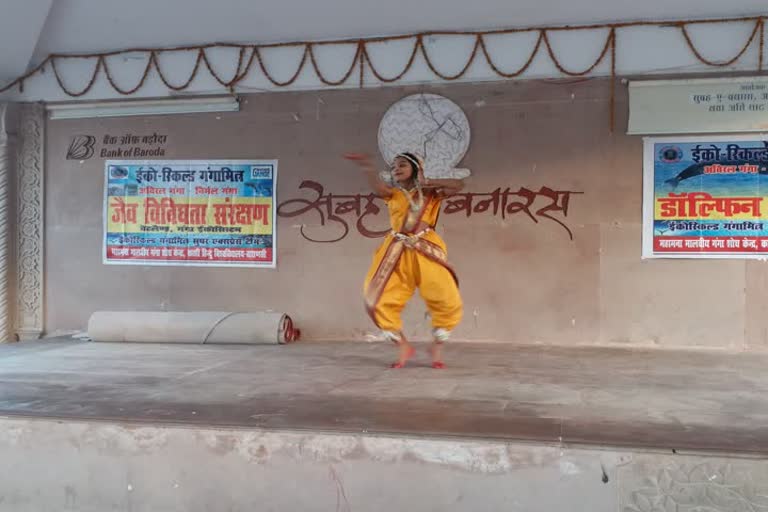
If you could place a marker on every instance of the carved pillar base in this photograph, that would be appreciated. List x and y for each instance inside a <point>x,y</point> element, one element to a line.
<point>28,334</point>
<point>29,243</point>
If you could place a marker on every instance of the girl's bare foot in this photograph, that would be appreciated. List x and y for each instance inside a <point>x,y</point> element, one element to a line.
<point>406,351</point>
<point>437,355</point>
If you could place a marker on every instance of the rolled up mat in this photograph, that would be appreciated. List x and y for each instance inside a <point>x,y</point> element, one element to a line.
<point>201,327</point>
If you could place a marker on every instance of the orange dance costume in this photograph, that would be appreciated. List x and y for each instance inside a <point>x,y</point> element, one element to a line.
<point>412,256</point>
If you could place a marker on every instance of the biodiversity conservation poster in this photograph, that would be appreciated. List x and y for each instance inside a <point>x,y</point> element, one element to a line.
<point>202,213</point>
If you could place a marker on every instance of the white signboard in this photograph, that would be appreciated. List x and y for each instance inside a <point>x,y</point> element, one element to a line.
<point>710,105</point>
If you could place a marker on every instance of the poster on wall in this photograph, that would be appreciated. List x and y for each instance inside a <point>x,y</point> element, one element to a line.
<point>217,213</point>
<point>705,197</point>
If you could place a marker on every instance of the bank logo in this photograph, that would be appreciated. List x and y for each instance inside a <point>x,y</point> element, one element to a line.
<point>81,147</point>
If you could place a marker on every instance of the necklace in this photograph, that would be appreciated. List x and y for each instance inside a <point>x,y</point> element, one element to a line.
<point>415,206</point>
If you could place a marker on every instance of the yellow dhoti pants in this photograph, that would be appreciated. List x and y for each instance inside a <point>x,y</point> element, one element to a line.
<point>413,270</point>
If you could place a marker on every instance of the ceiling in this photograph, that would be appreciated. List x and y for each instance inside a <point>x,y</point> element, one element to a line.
<point>31,29</point>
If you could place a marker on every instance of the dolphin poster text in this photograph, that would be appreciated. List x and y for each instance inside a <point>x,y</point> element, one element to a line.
<point>706,197</point>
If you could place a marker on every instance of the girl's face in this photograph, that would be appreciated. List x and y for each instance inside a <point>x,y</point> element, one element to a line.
<point>402,170</point>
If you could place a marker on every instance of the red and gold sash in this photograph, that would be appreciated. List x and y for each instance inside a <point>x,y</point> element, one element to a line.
<point>407,238</point>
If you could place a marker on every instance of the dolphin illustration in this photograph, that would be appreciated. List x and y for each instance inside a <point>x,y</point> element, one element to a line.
<point>259,190</point>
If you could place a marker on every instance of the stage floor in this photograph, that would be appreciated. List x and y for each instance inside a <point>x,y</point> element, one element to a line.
<point>658,399</point>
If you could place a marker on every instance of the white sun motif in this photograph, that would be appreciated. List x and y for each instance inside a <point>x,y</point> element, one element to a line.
<point>430,126</point>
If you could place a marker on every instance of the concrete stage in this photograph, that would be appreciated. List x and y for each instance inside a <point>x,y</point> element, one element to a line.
<point>607,428</point>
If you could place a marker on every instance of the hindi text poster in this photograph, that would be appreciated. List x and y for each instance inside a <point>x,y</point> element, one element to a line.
<point>202,213</point>
<point>705,197</point>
